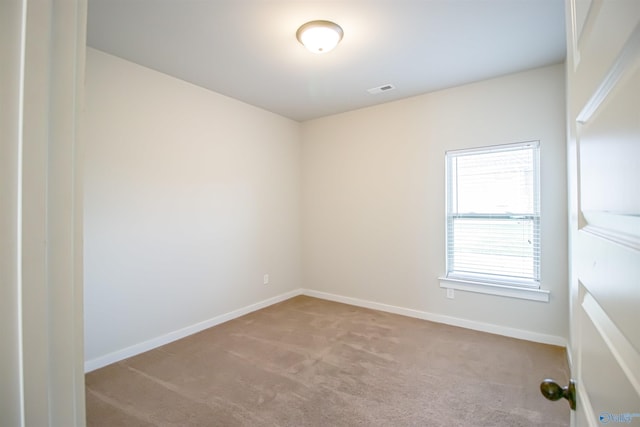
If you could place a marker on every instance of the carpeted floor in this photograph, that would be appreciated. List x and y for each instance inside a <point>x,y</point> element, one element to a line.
<point>310,362</point>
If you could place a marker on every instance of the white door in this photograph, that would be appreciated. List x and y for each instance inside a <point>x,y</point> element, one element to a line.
<point>603,103</point>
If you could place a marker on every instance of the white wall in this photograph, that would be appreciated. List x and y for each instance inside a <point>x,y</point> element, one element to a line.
<point>373,199</point>
<point>190,197</point>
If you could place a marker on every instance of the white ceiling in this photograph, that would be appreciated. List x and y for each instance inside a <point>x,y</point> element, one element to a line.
<point>247,49</point>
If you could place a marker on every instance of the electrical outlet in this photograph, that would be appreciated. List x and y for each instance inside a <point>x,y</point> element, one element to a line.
<point>265,279</point>
<point>450,293</point>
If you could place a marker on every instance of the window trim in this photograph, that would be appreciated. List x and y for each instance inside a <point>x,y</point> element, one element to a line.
<point>533,294</point>
<point>485,283</point>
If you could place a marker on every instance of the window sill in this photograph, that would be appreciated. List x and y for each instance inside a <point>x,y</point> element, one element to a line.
<point>492,289</point>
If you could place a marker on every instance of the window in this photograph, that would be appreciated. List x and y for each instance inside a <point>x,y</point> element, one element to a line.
<point>493,216</point>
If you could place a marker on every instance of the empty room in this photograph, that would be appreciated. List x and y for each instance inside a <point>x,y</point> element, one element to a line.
<point>322,213</point>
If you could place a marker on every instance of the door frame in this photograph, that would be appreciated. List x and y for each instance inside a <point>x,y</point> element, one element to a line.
<point>42,205</point>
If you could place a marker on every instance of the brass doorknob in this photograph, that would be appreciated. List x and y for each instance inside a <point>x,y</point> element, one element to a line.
<point>552,391</point>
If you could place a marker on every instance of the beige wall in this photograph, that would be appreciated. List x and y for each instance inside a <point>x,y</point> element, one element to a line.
<point>190,197</point>
<point>373,197</point>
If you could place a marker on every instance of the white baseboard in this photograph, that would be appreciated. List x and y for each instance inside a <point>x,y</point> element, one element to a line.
<point>440,318</point>
<point>116,356</point>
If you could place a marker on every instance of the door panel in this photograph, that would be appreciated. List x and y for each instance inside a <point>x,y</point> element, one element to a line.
<point>607,143</point>
<point>607,28</point>
<point>611,389</point>
<point>603,86</point>
<point>609,271</point>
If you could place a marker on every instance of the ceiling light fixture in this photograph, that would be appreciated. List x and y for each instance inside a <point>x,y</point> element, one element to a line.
<point>319,36</point>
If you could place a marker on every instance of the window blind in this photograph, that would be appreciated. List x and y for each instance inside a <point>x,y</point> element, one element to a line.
<point>493,214</point>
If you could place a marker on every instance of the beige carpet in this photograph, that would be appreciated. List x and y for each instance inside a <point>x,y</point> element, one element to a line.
<point>309,362</point>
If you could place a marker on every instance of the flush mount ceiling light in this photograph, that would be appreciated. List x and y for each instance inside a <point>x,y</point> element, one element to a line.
<point>319,36</point>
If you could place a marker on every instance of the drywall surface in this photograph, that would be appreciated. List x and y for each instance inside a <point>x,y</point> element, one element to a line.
<point>373,205</point>
<point>190,198</point>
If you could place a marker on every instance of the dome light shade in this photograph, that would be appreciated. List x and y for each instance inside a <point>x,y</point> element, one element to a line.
<point>319,36</point>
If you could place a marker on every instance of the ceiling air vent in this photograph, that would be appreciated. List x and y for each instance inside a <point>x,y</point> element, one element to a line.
<point>380,89</point>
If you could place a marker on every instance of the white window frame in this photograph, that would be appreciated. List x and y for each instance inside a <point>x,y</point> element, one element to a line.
<point>482,282</point>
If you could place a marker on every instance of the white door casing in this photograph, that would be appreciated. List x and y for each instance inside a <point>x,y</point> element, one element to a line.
<point>10,52</point>
<point>41,83</point>
<point>603,93</point>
